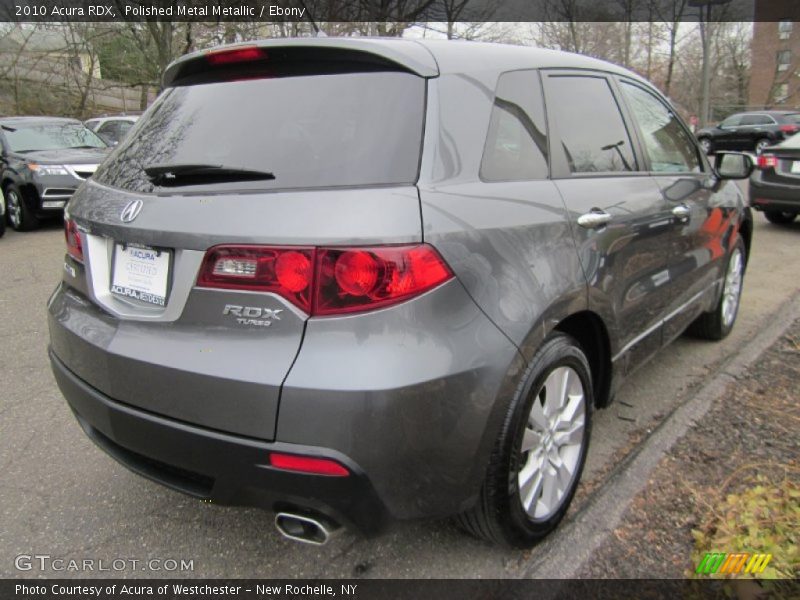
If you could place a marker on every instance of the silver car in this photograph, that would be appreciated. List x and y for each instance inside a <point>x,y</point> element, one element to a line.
<point>356,280</point>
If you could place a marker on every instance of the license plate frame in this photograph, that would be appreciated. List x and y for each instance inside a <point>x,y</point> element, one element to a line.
<point>141,273</point>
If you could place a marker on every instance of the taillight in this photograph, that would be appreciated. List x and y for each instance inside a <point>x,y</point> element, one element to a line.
<point>73,238</point>
<point>355,279</point>
<point>789,128</point>
<point>767,161</point>
<point>307,464</point>
<point>327,281</point>
<point>286,271</point>
<point>228,56</point>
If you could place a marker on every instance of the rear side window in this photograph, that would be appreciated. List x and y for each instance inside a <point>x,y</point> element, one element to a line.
<point>757,120</point>
<point>349,129</point>
<point>516,144</point>
<point>592,132</point>
<point>668,144</point>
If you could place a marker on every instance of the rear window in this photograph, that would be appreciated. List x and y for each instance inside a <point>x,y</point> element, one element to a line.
<point>351,129</point>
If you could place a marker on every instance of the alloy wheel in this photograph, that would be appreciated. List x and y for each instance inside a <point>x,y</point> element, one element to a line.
<point>732,287</point>
<point>14,208</point>
<point>552,443</point>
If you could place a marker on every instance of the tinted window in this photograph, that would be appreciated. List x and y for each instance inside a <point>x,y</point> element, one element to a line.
<point>109,127</point>
<point>668,145</point>
<point>731,121</point>
<point>592,132</point>
<point>516,145</point>
<point>757,120</point>
<point>309,131</point>
<point>52,136</point>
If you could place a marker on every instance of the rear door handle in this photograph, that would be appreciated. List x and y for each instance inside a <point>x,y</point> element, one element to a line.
<point>682,212</point>
<point>594,219</point>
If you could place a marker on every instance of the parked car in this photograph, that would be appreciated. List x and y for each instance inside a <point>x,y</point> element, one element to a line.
<point>112,129</point>
<point>406,297</point>
<point>2,213</point>
<point>42,162</point>
<point>750,132</point>
<point>775,186</point>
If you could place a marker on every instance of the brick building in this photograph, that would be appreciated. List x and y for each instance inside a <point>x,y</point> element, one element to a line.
<point>775,70</point>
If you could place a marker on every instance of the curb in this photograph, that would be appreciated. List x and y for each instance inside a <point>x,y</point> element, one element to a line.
<point>565,553</point>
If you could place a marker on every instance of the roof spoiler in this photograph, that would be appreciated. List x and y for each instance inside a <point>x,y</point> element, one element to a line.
<point>369,54</point>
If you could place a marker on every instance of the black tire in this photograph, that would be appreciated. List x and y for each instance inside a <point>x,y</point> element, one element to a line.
<point>713,325</point>
<point>19,216</point>
<point>780,217</point>
<point>2,218</point>
<point>499,515</point>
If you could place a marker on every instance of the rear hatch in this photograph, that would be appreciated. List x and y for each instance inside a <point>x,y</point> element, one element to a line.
<point>257,149</point>
<point>781,164</point>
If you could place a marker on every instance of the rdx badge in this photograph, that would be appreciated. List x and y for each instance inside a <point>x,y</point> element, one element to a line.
<point>253,315</point>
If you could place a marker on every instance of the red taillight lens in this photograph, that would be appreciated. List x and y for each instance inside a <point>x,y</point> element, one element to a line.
<point>227,56</point>
<point>789,128</point>
<point>767,161</point>
<point>73,237</point>
<point>327,281</point>
<point>284,271</point>
<point>357,279</point>
<point>307,464</point>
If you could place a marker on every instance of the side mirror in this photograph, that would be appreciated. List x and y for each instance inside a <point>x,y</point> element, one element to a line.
<point>733,165</point>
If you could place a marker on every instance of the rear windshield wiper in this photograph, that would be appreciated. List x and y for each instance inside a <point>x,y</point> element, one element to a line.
<point>187,174</point>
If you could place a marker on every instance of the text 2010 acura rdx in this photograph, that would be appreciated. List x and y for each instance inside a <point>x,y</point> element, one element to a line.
<point>359,280</point>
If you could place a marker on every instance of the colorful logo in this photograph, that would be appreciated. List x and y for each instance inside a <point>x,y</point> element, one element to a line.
<point>733,563</point>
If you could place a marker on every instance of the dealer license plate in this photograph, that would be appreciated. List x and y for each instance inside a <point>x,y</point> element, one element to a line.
<point>141,273</point>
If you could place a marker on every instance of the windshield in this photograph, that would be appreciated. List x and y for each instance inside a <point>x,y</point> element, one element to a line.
<point>52,136</point>
<point>350,129</point>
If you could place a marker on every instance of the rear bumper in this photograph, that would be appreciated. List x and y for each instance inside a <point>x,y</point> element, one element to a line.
<point>774,196</point>
<point>217,467</point>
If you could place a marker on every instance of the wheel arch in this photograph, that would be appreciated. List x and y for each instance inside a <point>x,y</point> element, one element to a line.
<point>591,333</point>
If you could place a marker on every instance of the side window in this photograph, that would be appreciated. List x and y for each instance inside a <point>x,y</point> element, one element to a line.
<point>668,144</point>
<point>756,120</point>
<point>732,121</point>
<point>108,128</point>
<point>593,134</point>
<point>516,144</point>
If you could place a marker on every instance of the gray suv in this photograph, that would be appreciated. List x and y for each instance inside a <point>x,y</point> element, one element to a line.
<point>357,280</point>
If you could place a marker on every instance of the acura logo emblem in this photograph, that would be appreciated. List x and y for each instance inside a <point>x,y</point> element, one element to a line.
<point>131,211</point>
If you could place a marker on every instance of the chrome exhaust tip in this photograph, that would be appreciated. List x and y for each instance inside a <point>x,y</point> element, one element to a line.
<point>302,528</point>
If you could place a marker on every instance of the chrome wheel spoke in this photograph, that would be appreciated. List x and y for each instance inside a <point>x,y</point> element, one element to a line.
<point>537,418</point>
<point>530,440</point>
<point>548,502</point>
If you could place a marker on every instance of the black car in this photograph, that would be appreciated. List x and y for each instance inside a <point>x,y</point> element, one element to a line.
<point>775,186</point>
<point>752,131</point>
<point>43,160</point>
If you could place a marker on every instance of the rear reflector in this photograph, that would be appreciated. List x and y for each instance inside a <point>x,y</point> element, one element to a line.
<point>327,281</point>
<point>73,238</point>
<point>228,56</point>
<point>307,464</point>
<point>767,161</point>
<point>789,128</point>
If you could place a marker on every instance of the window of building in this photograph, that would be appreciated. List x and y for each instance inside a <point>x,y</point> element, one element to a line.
<point>784,60</point>
<point>784,29</point>
<point>593,134</point>
<point>516,145</point>
<point>781,93</point>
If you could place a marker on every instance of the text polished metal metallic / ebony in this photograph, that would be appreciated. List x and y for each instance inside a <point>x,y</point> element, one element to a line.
<point>403,293</point>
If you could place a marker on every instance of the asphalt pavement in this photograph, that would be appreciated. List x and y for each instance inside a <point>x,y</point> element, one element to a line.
<point>62,498</point>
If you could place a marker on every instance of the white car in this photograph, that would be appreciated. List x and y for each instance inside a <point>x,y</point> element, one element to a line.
<point>112,129</point>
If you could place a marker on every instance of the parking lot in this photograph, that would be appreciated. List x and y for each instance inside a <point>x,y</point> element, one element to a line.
<point>63,498</point>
